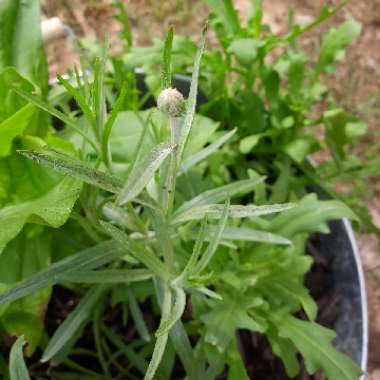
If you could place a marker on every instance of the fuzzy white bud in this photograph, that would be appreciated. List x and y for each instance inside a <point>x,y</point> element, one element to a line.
<point>171,102</point>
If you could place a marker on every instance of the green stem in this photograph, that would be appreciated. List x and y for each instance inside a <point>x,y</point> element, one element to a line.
<point>98,345</point>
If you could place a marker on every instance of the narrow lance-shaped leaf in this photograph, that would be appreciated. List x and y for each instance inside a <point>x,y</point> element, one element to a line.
<point>17,367</point>
<point>175,313</point>
<point>54,112</point>
<point>144,172</point>
<point>137,316</point>
<point>166,60</point>
<point>249,234</point>
<point>220,194</point>
<point>159,347</point>
<point>215,211</point>
<point>190,266</point>
<point>80,99</point>
<point>136,360</point>
<point>87,259</point>
<point>73,322</point>
<point>180,340</point>
<point>192,99</point>
<point>211,249</point>
<point>117,107</point>
<point>107,276</point>
<point>99,98</point>
<point>206,152</point>
<point>74,168</point>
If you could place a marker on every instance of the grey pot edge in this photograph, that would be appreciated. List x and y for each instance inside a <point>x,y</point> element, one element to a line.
<point>363,293</point>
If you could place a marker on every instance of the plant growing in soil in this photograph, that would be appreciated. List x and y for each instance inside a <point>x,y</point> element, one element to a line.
<point>163,233</point>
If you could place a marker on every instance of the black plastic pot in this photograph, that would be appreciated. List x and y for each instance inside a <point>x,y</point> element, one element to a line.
<point>347,277</point>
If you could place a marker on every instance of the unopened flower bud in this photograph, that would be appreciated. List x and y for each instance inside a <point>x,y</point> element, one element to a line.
<point>171,102</point>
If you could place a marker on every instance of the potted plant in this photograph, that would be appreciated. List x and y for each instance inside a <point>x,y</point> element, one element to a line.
<point>175,238</point>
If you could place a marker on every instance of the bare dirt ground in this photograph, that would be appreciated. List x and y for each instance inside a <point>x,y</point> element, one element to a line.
<point>356,84</point>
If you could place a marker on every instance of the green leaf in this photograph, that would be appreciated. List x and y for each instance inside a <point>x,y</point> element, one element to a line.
<point>138,251</point>
<point>117,107</point>
<point>143,172</point>
<point>206,152</point>
<point>74,322</point>
<point>23,257</point>
<point>187,122</point>
<point>215,211</point>
<point>107,276</point>
<point>284,349</point>
<point>310,215</point>
<point>181,343</point>
<point>191,264</point>
<point>245,50</point>
<point>314,342</point>
<point>137,315</point>
<point>87,259</point>
<point>249,234</point>
<point>225,318</point>
<point>166,60</point>
<point>52,208</point>
<point>214,243</point>
<point>248,143</point>
<point>21,43</point>
<point>220,194</point>
<point>235,362</point>
<point>13,127</point>
<point>159,347</point>
<point>56,113</point>
<point>79,98</point>
<point>175,313</point>
<point>227,15</point>
<point>17,367</point>
<point>334,44</point>
<point>75,168</point>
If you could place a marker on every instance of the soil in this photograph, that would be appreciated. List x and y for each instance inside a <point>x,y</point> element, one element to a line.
<point>356,84</point>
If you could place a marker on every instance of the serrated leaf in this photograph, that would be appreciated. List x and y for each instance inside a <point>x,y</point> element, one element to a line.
<point>87,259</point>
<point>215,211</point>
<point>74,322</point>
<point>310,215</point>
<point>335,42</point>
<point>206,152</point>
<point>225,318</point>
<point>75,168</point>
<point>143,173</point>
<point>220,194</point>
<point>17,367</point>
<point>314,342</point>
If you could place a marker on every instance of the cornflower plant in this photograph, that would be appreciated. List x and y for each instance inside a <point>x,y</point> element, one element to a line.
<point>162,243</point>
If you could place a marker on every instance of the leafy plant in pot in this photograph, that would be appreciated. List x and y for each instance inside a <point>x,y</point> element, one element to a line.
<point>169,243</point>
